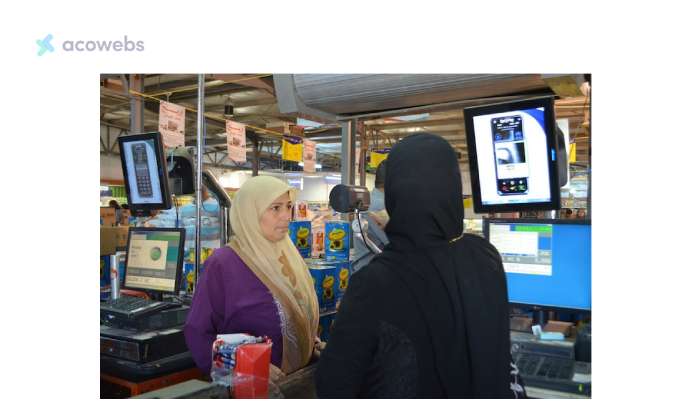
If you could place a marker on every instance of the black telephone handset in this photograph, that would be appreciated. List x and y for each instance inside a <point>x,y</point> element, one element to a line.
<point>139,156</point>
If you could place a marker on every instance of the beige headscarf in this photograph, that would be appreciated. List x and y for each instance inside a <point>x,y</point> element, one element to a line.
<point>278,265</point>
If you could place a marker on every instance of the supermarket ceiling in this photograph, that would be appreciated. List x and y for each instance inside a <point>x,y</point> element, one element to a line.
<point>385,108</point>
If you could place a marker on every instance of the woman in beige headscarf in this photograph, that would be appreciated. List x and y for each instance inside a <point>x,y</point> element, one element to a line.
<point>258,283</point>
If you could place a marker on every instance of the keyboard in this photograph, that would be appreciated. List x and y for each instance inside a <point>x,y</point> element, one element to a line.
<point>554,373</point>
<point>132,307</point>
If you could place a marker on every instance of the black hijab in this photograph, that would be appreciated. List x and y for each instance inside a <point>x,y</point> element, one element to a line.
<point>423,193</point>
<point>457,280</point>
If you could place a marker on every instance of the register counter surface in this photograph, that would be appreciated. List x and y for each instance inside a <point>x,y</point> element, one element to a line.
<point>299,385</point>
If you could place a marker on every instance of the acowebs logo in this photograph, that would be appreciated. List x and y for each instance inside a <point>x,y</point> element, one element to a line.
<point>45,45</point>
<point>96,45</point>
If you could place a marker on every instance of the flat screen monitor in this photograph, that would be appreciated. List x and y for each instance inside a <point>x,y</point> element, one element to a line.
<point>513,156</point>
<point>547,262</point>
<point>154,260</point>
<point>145,171</point>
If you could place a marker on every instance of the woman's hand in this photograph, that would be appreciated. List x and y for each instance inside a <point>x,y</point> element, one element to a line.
<point>380,218</point>
<point>319,347</point>
<point>275,373</point>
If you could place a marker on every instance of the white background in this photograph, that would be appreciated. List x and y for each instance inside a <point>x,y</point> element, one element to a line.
<point>641,271</point>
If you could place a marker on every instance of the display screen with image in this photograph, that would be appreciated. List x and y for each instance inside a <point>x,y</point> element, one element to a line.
<point>145,172</point>
<point>154,261</point>
<point>513,156</point>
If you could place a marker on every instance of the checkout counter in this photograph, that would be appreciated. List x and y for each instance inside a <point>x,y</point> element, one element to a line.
<point>178,377</point>
<point>299,385</point>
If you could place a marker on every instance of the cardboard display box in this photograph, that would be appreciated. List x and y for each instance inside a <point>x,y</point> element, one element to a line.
<point>324,278</point>
<point>299,232</point>
<point>107,213</point>
<point>337,241</point>
<point>112,238</point>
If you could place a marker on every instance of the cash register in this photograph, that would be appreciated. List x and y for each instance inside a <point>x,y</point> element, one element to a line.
<point>153,266</point>
<point>142,343</point>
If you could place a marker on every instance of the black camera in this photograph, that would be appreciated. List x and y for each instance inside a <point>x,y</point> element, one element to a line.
<point>344,198</point>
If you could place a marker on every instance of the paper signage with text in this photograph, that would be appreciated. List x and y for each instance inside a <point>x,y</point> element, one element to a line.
<point>172,124</point>
<point>309,156</point>
<point>357,159</point>
<point>235,138</point>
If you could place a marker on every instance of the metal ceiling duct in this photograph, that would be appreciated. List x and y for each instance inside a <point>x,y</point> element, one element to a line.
<point>333,95</point>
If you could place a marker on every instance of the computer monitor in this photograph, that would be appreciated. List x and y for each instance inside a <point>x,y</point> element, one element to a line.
<point>145,171</point>
<point>154,261</point>
<point>547,263</point>
<point>513,156</point>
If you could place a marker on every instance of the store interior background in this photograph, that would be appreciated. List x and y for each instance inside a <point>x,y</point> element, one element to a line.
<point>383,107</point>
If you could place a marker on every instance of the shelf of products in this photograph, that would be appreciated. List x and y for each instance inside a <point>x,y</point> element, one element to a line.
<point>114,192</point>
<point>473,226</point>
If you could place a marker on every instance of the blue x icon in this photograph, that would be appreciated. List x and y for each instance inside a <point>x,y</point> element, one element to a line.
<point>45,45</point>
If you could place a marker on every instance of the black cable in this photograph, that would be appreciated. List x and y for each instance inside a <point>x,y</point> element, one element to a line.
<point>106,388</point>
<point>362,233</point>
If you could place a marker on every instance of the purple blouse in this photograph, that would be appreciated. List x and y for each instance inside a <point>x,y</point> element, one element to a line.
<point>230,298</point>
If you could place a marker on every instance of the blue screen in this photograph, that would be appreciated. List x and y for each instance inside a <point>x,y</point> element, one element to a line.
<point>547,262</point>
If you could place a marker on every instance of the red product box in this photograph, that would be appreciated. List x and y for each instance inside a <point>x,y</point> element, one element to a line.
<point>252,371</point>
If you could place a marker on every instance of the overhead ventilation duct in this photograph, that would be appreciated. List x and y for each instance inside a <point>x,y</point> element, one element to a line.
<point>328,96</point>
<point>291,105</point>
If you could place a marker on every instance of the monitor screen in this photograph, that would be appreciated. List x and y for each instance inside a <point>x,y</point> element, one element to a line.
<point>547,262</point>
<point>154,260</point>
<point>513,157</point>
<point>145,171</point>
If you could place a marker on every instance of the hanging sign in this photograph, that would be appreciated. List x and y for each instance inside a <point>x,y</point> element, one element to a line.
<point>235,139</point>
<point>172,124</point>
<point>292,149</point>
<point>572,150</point>
<point>357,159</point>
<point>468,201</point>
<point>309,156</point>
<point>378,155</point>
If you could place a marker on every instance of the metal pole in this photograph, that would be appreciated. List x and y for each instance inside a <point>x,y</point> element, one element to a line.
<point>115,276</point>
<point>136,104</point>
<point>363,149</point>
<point>348,154</point>
<point>198,180</point>
<point>348,161</point>
<point>255,156</point>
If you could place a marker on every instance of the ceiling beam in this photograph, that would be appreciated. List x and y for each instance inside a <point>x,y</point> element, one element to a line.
<point>265,83</point>
<point>191,83</point>
<point>210,92</point>
<point>404,125</point>
<point>244,104</point>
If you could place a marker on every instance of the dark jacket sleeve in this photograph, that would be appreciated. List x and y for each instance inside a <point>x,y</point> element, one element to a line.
<point>206,314</point>
<point>352,341</point>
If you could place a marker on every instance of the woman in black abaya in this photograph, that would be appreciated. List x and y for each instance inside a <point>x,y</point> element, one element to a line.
<point>427,318</point>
